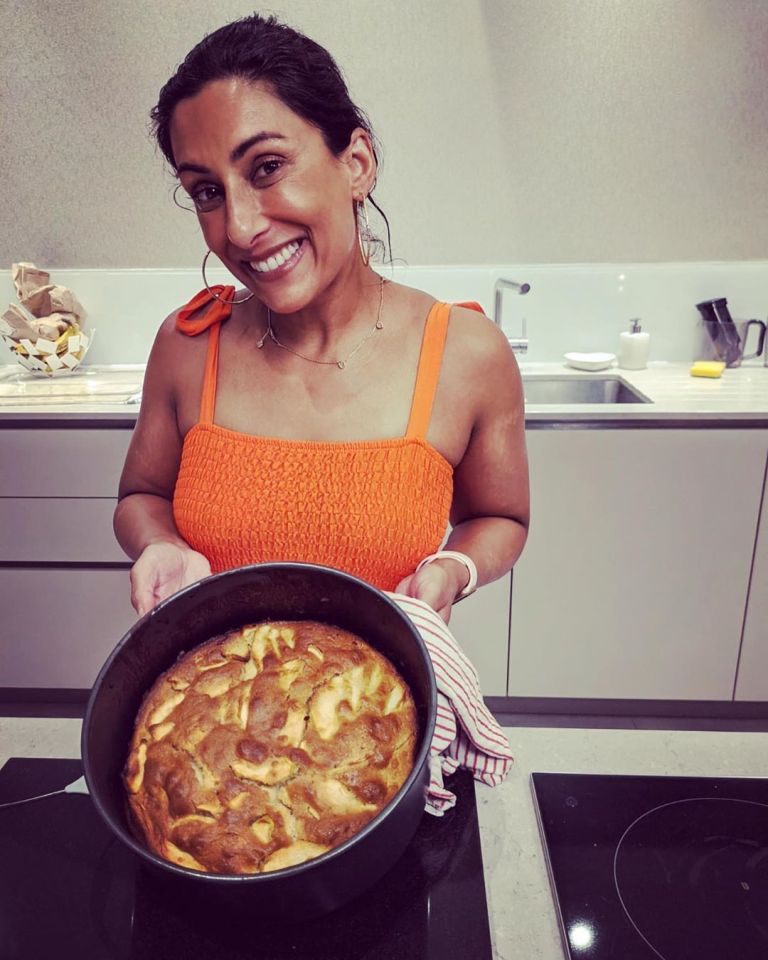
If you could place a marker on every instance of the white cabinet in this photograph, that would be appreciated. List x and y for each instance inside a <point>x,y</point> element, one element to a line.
<point>62,462</point>
<point>481,625</point>
<point>58,530</point>
<point>634,580</point>
<point>633,584</point>
<point>752,679</point>
<point>60,624</point>
<point>63,577</point>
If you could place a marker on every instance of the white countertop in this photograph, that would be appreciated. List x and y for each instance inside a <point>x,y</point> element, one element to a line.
<point>523,917</point>
<point>741,394</point>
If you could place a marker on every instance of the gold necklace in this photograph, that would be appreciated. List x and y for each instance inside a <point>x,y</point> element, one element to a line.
<point>338,363</point>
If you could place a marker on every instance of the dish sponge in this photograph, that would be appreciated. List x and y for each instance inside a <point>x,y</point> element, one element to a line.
<point>708,368</point>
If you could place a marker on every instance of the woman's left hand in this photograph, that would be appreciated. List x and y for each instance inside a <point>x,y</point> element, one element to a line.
<point>437,584</point>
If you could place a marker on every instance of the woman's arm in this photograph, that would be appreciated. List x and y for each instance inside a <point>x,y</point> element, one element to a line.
<point>490,510</point>
<point>143,520</point>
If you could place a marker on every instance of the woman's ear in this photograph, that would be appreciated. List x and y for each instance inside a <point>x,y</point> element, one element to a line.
<point>361,163</point>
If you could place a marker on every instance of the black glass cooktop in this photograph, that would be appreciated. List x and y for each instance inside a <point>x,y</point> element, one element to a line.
<point>68,889</point>
<point>657,867</point>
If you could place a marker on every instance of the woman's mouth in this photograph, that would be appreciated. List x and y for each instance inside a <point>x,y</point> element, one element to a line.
<point>278,263</point>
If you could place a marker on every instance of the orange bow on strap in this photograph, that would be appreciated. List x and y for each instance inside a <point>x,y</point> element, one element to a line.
<point>218,311</point>
<point>471,305</point>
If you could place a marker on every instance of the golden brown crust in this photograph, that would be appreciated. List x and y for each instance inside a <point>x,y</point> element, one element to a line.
<point>267,746</point>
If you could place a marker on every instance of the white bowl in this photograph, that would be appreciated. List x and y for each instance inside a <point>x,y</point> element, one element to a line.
<point>590,361</point>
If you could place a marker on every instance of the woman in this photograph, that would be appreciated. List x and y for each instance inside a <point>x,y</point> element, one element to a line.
<point>320,413</point>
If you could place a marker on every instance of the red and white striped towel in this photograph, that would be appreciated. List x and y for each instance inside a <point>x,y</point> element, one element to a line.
<point>466,733</point>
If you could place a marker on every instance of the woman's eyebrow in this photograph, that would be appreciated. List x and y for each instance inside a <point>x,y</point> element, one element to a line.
<point>237,154</point>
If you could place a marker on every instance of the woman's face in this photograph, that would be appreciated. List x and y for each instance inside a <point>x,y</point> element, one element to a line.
<point>275,205</point>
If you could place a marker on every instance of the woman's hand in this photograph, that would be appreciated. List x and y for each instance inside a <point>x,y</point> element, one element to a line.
<point>162,569</point>
<point>437,583</point>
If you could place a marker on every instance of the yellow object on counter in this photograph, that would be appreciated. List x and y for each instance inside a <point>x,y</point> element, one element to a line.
<point>708,368</point>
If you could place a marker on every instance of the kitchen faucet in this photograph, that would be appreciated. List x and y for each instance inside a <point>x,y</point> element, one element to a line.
<point>518,344</point>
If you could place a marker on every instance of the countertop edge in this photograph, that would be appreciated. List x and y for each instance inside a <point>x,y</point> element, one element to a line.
<point>537,416</point>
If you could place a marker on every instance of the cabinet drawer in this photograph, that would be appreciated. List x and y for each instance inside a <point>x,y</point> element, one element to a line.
<point>59,626</point>
<point>62,530</point>
<point>61,463</point>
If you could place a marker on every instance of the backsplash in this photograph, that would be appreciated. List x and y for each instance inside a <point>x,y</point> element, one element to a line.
<point>581,307</point>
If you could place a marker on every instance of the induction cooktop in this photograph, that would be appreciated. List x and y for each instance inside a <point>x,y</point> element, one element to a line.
<point>69,889</point>
<point>643,868</point>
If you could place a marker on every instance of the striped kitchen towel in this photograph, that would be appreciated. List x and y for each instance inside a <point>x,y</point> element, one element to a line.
<point>466,734</point>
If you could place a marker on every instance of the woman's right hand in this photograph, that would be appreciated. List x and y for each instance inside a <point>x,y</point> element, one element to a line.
<point>162,569</point>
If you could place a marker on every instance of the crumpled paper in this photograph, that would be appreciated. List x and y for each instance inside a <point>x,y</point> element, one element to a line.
<point>45,330</point>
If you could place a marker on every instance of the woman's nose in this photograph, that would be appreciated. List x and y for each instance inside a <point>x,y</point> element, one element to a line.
<point>246,218</point>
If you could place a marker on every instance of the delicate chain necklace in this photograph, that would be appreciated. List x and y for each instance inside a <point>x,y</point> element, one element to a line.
<point>337,363</point>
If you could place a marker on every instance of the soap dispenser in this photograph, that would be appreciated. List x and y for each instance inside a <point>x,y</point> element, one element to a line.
<point>633,349</point>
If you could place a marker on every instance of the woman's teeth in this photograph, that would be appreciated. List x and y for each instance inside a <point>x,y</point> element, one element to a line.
<point>276,260</point>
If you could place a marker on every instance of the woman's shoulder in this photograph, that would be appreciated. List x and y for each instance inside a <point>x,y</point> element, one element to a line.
<point>479,363</point>
<point>173,350</point>
<point>472,333</point>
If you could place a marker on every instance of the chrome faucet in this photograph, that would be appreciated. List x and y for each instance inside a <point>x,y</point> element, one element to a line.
<point>518,344</point>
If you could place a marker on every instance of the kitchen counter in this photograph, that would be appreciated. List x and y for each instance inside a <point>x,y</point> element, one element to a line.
<point>523,918</point>
<point>108,395</point>
<point>99,394</point>
<point>740,395</point>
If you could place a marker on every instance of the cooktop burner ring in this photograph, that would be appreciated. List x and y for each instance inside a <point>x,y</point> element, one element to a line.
<point>609,838</point>
<point>646,816</point>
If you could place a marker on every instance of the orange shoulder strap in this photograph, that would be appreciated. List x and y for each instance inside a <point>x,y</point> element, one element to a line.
<point>210,319</point>
<point>428,370</point>
<point>430,360</point>
<point>210,377</point>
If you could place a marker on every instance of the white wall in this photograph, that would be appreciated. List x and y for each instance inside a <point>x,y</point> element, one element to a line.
<point>514,131</point>
<point>569,307</point>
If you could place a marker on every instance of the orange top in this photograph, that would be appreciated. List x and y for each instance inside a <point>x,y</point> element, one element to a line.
<point>372,508</point>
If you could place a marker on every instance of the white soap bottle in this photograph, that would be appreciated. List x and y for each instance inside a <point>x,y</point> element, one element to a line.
<point>633,349</point>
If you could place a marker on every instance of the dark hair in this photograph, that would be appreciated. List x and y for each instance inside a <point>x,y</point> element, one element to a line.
<point>300,72</point>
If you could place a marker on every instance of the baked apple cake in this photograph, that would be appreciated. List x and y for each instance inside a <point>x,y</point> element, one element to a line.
<point>267,746</point>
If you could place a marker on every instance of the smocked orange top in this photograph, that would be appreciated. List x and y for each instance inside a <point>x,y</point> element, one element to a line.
<point>372,508</point>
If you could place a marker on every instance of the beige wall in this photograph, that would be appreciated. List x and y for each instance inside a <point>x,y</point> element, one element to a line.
<point>517,131</point>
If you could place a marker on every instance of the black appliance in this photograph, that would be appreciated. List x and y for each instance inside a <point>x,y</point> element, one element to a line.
<point>646,867</point>
<point>69,888</point>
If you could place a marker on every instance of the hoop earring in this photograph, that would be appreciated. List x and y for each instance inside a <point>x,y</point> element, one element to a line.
<point>365,250</point>
<point>176,199</point>
<point>213,292</point>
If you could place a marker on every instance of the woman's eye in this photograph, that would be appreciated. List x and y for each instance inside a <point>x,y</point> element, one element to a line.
<point>264,169</point>
<point>206,197</point>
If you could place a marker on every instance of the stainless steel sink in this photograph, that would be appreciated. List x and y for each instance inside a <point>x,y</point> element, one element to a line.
<point>565,389</point>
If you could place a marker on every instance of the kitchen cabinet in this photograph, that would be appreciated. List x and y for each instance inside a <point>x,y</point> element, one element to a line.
<point>63,577</point>
<point>633,585</point>
<point>54,530</point>
<point>62,461</point>
<point>752,678</point>
<point>634,580</point>
<point>60,624</point>
<point>481,625</point>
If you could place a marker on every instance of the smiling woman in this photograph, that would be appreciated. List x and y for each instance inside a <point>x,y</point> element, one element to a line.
<point>320,413</point>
